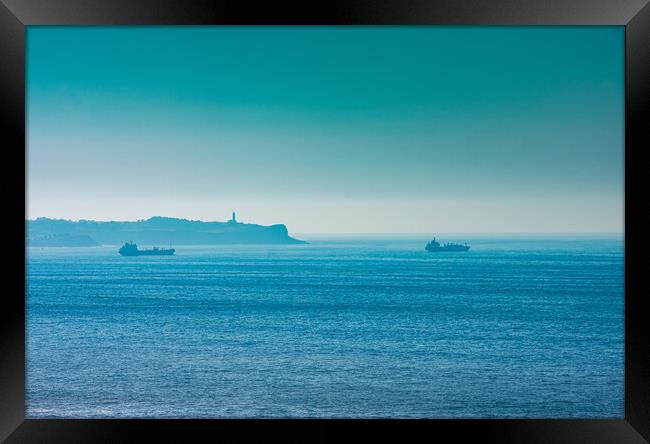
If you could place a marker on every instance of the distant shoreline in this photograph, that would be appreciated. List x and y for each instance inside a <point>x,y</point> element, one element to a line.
<point>153,231</point>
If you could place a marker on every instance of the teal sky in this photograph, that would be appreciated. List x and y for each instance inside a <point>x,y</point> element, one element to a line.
<point>330,130</point>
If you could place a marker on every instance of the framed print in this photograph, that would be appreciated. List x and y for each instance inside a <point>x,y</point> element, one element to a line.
<point>352,216</point>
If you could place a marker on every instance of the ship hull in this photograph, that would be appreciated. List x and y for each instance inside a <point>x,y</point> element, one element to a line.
<point>150,253</point>
<point>447,249</point>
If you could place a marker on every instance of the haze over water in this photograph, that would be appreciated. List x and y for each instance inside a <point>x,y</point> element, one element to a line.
<point>347,328</point>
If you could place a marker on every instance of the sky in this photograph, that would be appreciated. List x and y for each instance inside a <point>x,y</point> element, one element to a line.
<point>330,129</point>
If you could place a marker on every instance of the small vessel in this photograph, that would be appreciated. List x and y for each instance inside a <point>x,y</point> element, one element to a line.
<point>131,249</point>
<point>434,247</point>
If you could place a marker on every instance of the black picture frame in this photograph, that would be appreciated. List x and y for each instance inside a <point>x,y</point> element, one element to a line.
<point>15,15</point>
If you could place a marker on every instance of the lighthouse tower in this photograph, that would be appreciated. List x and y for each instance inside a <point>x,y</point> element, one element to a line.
<point>234,219</point>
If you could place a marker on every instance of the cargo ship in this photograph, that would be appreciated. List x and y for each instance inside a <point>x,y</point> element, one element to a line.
<point>435,247</point>
<point>131,249</point>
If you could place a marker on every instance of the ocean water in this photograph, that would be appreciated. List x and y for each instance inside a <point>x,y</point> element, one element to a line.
<point>526,328</point>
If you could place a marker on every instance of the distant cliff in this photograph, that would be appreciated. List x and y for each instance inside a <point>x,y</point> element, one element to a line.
<point>154,231</point>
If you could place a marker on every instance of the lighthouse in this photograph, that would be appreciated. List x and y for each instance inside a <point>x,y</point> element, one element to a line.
<point>234,219</point>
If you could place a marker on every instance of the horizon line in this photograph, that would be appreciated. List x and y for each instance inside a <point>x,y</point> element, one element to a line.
<point>459,233</point>
<point>363,234</point>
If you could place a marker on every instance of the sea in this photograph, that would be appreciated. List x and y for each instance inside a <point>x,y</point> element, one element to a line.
<point>517,327</point>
